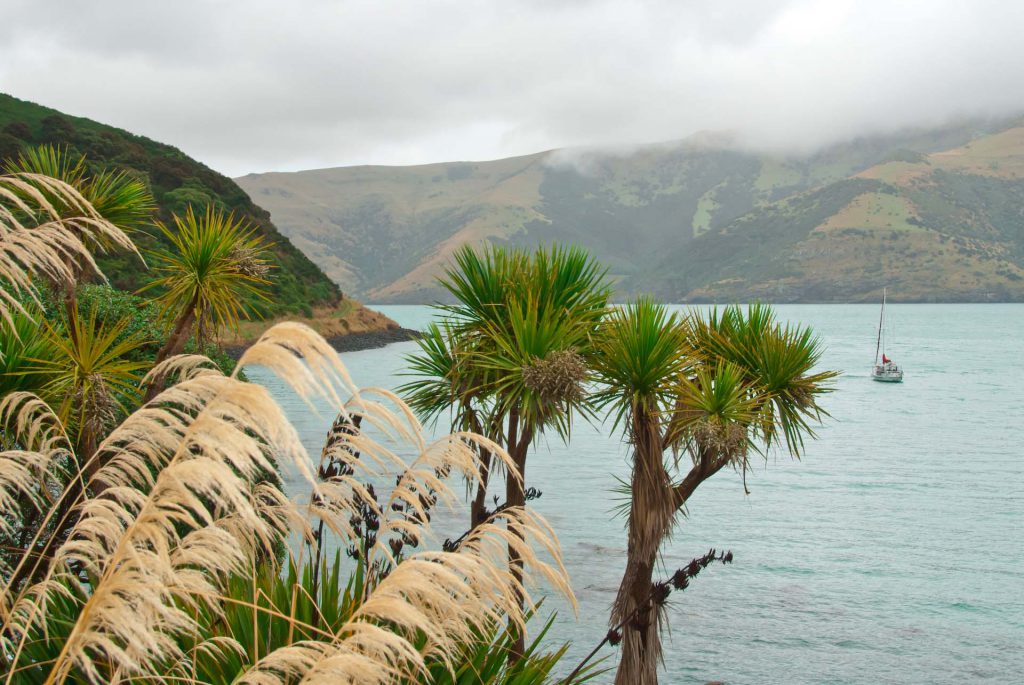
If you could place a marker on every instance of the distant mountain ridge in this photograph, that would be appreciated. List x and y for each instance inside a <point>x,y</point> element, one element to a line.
<point>936,214</point>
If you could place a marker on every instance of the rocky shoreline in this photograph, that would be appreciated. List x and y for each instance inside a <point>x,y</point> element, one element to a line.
<point>353,342</point>
<point>350,342</point>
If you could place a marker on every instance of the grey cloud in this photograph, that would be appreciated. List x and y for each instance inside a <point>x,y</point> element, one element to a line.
<point>257,85</point>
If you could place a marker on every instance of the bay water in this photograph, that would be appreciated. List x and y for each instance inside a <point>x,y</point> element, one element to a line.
<point>893,552</point>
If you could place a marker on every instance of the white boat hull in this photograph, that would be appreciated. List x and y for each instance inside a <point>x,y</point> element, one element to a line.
<point>887,373</point>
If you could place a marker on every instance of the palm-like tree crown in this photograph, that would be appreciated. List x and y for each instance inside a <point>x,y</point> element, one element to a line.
<point>90,378</point>
<point>716,386</point>
<point>639,358</point>
<point>117,196</point>
<point>771,372</point>
<point>520,330</point>
<point>217,269</point>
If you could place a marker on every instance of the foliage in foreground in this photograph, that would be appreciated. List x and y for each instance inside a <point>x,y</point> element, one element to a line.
<point>156,543</point>
<point>179,550</point>
<point>146,550</point>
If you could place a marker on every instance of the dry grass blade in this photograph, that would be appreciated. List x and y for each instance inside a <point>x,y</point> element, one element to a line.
<point>46,230</point>
<point>187,503</point>
<point>422,484</point>
<point>29,470</point>
<point>182,509</point>
<point>31,423</point>
<point>302,358</point>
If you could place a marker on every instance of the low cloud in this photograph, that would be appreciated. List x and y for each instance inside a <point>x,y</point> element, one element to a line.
<point>254,85</point>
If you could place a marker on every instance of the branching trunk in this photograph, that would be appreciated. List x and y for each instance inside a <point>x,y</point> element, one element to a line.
<point>708,465</point>
<point>174,345</point>
<point>478,509</point>
<point>655,503</point>
<point>652,508</point>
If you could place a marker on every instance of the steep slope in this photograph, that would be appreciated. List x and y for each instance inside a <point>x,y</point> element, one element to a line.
<point>386,232</point>
<point>387,228</point>
<point>947,226</point>
<point>176,181</point>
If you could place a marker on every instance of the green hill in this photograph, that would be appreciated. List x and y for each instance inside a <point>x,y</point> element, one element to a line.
<point>695,220</point>
<point>176,181</point>
<point>946,226</point>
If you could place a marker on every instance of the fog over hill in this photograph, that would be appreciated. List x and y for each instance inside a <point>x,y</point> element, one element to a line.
<point>932,212</point>
<point>346,82</point>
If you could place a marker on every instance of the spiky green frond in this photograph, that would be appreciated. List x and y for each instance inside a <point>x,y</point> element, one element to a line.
<point>217,265</point>
<point>514,309</point>
<point>23,348</point>
<point>778,362</point>
<point>118,197</point>
<point>89,376</point>
<point>639,357</point>
<point>444,379</point>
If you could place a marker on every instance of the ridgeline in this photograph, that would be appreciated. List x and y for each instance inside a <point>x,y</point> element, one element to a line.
<point>934,214</point>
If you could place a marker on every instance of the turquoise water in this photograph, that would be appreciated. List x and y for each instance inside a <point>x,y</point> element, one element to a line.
<point>893,552</point>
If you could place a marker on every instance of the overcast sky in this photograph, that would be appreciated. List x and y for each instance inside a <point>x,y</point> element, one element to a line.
<point>254,85</point>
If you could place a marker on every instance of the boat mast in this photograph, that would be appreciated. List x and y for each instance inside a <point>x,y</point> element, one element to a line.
<point>881,319</point>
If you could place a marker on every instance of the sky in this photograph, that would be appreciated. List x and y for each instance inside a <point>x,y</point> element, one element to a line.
<point>253,85</point>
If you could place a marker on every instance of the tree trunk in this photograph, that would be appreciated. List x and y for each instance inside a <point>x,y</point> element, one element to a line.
<point>515,496</point>
<point>174,345</point>
<point>87,444</point>
<point>477,511</point>
<point>652,508</point>
<point>641,644</point>
<point>71,310</point>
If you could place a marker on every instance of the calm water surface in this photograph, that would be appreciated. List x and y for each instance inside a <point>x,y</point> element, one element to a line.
<point>893,552</point>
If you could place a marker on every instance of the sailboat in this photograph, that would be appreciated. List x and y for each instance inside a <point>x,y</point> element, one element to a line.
<point>886,371</point>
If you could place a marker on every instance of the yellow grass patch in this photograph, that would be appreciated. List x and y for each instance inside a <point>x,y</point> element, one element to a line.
<point>873,211</point>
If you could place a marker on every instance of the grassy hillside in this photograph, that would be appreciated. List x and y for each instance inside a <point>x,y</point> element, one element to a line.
<point>176,181</point>
<point>947,226</point>
<point>387,228</point>
<point>692,220</point>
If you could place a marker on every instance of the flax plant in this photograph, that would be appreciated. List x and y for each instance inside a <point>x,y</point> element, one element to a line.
<point>694,395</point>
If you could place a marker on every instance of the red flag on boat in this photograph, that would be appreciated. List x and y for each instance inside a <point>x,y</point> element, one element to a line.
<point>885,360</point>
